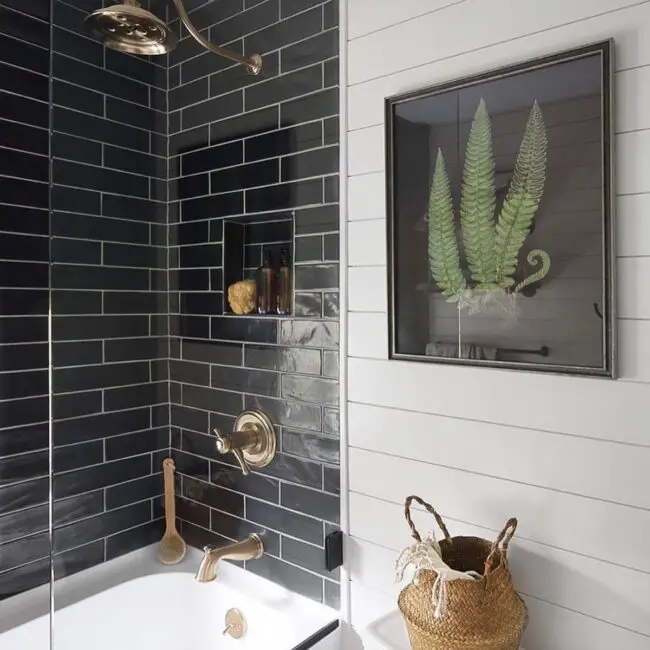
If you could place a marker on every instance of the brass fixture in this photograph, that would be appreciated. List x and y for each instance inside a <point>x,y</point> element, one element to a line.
<point>252,63</point>
<point>235,624</point>
<point>252,442</point>
<point>250,548</point>
<point>130,28</point>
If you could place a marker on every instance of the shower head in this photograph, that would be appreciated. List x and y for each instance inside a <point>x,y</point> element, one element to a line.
<point>129,28</point>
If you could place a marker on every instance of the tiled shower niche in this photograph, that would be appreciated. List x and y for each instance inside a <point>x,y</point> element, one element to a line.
<point>246,246</point>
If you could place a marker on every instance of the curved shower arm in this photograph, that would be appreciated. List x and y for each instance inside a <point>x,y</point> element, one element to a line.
<point>253,63</point>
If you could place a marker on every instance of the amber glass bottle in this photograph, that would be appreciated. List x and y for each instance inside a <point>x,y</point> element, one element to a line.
<point>284,284</point>
<point>266,286</point>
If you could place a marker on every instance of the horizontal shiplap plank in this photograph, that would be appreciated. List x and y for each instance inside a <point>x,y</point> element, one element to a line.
<point>581,406</point>
<point>367,243</point>
<point>634,350</point>
<point>630,29</point>
<point>632,91</point>
<point>436,36</point>
<point>377,623</point>
<point>367,197</point>
<point>368,334</point>
<point>366,150</point>
<point>570,522</point>
<point>633,294</point>
<point>556,628</point>
<point>535,457</point>
<point>365,293</point>
<point>633,162</point>
<point>633,224</point>
<point>366,16</point>
<point>373,565</point>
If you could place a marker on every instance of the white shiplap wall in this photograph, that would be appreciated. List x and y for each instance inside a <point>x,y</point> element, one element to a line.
<point>569,456</point>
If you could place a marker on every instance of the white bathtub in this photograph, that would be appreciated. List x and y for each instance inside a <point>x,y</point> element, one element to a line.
<point>134,603</point>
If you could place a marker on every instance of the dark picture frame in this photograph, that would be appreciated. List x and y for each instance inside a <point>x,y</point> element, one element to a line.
<point>413,286</point>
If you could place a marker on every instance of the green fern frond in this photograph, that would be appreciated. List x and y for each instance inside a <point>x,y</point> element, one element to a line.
<point>536,257</point>
<point>444,258</point>
<point>523,198</point>
<point>478,200</point>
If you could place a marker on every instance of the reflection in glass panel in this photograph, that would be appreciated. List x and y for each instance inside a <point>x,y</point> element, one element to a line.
<point>109,312</point>
<point>24,257</point>
<point>500,219</point>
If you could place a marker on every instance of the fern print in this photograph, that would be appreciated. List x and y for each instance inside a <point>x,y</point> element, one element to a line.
<point>523,197</point>
<point>492,246</point>
<point>478,200</point>
<point>444,257</point>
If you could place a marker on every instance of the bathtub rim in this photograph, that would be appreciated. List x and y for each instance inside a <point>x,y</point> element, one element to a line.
<point>142,563</point>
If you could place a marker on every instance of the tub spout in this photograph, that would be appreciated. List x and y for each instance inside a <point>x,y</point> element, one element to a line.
<point>250,548</point>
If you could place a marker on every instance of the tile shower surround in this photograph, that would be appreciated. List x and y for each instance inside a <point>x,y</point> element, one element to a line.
<point>109,295</point>
<point>260,151</point>
<point>256,150</point>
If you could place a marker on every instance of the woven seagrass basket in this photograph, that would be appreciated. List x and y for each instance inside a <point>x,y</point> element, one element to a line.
<point>482,614</point>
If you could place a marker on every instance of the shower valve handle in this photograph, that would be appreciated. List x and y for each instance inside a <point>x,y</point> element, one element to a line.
<point>228,443</point>
<point>252,442</point>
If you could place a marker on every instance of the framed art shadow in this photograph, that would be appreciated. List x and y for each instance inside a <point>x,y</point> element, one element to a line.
<point>500,217</point>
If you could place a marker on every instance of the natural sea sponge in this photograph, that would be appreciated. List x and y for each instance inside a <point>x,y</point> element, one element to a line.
<point>242,296</point>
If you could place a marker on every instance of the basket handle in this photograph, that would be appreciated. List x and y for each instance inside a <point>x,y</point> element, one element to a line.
<point>501,543</point>
<point>428,508</point>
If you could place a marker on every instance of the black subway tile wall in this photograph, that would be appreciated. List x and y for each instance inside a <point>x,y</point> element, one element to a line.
<point>253,166</point>
<point>24,298</point>
<point>109,263</point>
<point>97,241</point>
<point>133,191</point>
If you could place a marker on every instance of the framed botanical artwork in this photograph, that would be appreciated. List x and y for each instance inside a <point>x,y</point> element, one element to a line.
<point>500,217</point>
